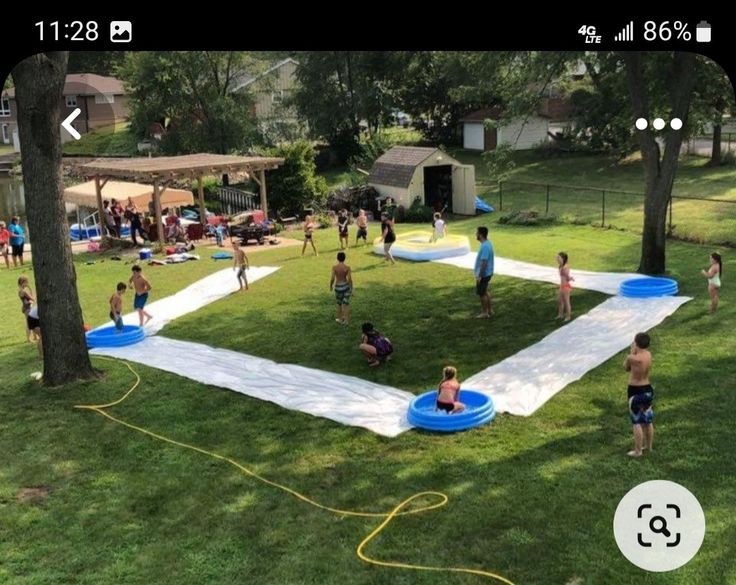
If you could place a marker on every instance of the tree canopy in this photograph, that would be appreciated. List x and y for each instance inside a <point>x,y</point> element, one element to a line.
<point>193,95</point>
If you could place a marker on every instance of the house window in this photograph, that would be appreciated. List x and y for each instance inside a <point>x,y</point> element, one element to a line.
<point>71,101</point>
<point>4,107</point>
<point>277,97</point>
<point>107,98</point>
<point>6,137</point>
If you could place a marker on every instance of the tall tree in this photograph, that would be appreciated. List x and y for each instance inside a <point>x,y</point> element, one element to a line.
<point>338,91</point>
<point>713,98</point>
<point>195,94</point>
<point>102,63</point>
<point>659,167</point>
<point>39,83</point>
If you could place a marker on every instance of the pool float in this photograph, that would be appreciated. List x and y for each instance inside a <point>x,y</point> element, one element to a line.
<point>109,337</point>
<point>648,287</point>
<point>478,411</point>
<point>416,246</point>
<point>222,256</point>
<point>482,206</point>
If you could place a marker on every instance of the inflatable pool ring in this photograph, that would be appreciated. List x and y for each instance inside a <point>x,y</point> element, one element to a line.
<point>648,287</point>
<point>222,256</point>
<point>416,246</point>
<point>109,337</point>
<point>482,206</point>
<point>478,411</point>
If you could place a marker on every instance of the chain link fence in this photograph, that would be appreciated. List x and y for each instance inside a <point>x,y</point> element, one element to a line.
<point>704,220</point>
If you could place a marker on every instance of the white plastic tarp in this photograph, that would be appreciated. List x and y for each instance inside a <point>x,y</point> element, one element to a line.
<point>344,399</point>
<point>605,282</point>
<point>203,292</point>
<point>522,383</point>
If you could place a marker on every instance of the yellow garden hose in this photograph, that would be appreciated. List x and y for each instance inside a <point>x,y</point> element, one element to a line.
<point>441,499</point>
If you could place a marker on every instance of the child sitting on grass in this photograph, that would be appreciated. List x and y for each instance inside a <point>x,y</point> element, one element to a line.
<point>375,347</point>
<point>448,392</point>
<point>116,306</point>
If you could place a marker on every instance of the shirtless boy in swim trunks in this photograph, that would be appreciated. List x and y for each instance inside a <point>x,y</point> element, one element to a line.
<point>142,287</point>
<point>640,394</point>
<point>116,306</point>
<point>362,223</point>
<point>240,263</point>
<point>341,281</point>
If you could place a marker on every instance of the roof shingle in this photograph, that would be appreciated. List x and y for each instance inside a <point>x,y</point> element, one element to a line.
<point>395,168</point>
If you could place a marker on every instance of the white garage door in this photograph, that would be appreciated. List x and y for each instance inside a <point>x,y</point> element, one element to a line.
<point>473,136</point>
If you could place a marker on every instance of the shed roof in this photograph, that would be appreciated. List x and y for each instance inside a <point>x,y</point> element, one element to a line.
<point>395,168</point>
<point>186,165</point>
<point>482,115</point>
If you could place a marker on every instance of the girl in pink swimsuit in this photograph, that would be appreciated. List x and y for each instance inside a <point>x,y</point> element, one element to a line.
<point>448,392</point>
<point>564,309</point>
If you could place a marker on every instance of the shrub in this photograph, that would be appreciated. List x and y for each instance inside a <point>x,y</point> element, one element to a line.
<point>324,220</point>
<point>353,199</point>
<point>370,149</point>
<point>294,186</point>
<point>400,214</point>
<point>419,213</point>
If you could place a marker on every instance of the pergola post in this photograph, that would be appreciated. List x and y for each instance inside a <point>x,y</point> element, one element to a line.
<point>264,198</point>
<point>157,210</point>
<point>200,193</point>
<point>100,211</point>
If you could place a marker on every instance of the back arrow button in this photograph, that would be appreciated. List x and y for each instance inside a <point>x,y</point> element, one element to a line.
<point>67,124</point>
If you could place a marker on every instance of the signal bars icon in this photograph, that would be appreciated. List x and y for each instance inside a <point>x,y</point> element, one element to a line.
<point>627,34</point>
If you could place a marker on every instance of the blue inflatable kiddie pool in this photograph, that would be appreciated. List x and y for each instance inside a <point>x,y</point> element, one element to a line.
<point>478,411</point>
<point>648,287</point>
<point>222,256</point>
<point>109,337</point>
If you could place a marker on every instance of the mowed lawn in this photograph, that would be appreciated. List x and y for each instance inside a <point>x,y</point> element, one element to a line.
<point>576,180</point>
<point>530,498</point>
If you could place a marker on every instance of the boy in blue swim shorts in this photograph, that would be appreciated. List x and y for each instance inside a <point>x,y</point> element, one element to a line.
<point>640,394</point>
<point>141,287</point>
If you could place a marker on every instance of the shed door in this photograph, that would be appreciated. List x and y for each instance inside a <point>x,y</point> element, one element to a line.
<point>463,189</point>
<point>473,136</point>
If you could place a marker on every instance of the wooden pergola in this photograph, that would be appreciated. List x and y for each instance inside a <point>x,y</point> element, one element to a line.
<point>161,171</point>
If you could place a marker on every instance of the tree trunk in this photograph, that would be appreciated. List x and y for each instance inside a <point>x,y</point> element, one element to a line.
<point>39,83</point>
<point>715,155</point>
<point>659,173</point>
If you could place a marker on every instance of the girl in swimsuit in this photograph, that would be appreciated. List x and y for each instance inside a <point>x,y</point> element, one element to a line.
<point>564,309</point>
<point>25,294</point>
<point>448,392</point>
<point>308,231</point>
<point>713,275</point>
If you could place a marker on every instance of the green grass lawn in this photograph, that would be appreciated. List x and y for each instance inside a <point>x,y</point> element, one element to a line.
<point>530,498</point>
<point>700,221</point>
<point>114,140</point>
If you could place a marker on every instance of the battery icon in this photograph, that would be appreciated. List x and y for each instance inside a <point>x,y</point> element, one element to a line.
<point>702,32</point>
